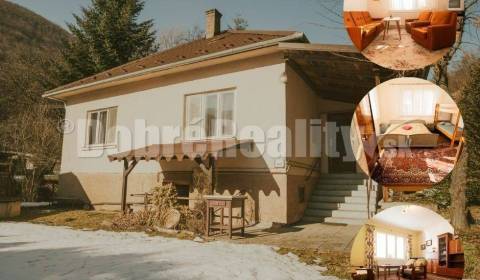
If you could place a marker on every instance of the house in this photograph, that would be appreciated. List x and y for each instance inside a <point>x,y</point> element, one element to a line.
<point>416,241</point>
<point>159,118</point>
<point>411,133</point>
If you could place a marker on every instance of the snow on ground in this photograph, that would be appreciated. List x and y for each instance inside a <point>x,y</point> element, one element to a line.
<point>29,251</point>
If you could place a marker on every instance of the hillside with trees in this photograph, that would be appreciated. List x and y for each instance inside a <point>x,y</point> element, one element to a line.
<point>30,59</point>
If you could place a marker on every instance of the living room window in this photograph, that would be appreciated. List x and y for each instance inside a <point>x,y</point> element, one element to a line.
<point>101,126</point>
<point>389,246</point>
<point>408,5</point>
<point>210,115</point>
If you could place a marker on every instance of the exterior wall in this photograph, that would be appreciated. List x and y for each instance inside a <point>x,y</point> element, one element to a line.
<point>302,107</point>
<point>260,101</point>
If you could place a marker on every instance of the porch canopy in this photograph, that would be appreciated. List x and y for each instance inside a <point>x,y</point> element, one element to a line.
<point>204,152</point>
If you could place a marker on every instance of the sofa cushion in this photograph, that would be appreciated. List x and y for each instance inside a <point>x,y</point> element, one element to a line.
<point>424,15</point>
<point>358,18</point>
<point>348,19</point>
<point>421,32</point>
<point>442,17</point>
<point>367,30</point>
<point>367,17</point>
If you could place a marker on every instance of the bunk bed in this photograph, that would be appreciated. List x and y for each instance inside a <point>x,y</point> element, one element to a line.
<point>448,126</point>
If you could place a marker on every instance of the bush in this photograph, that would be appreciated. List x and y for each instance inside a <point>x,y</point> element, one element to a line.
<point>163,200</point>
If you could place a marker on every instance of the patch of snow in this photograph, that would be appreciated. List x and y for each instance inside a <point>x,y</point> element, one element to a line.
<point>29,251</point>
<point>35,204</point>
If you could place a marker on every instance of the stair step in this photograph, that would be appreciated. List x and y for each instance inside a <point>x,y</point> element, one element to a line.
<point>323,205</point>
<point>343,193</point>
<point>344,176</point>
<point>318,213</point>
<point>340,199</point>
<point>341,187</point>
<point>337,213</point>
<point>345,221</point>
<point>334,181</point>
<point>356,206</point>
<point>350,214</point>
<point>311,219</point>
<point>340,206</point>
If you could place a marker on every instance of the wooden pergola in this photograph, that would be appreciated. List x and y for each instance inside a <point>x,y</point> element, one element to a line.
<point>204,152</point>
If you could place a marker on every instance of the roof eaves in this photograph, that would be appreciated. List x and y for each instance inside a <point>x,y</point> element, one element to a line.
<point>294,36</point>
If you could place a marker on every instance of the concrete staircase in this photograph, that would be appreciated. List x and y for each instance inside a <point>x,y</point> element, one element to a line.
<point>340,199</point>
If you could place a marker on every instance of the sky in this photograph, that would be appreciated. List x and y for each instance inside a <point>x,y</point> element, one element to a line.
<point>308,16</point>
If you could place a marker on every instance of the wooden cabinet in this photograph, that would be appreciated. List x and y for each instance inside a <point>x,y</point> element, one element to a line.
<point>450,261</point>
<point>455,246</point>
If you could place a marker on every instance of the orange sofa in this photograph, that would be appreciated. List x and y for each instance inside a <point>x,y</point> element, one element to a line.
<point>362,28</point>
<point>424,16</point>
<point>437,33</point>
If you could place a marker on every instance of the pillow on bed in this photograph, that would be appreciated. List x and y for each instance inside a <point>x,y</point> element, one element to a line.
<point>407,127</point>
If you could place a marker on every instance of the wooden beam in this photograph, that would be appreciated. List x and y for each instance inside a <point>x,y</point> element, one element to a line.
<point>127,168</point>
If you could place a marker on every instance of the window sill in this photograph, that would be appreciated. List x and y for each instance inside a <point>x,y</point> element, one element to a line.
<point>209,138</point>
<point>99,147</point>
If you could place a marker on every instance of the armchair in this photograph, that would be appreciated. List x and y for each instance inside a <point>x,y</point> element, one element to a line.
<point>363,274</point>
<point>438,33</point>
<point>414,269</point>
<point>422,20</point>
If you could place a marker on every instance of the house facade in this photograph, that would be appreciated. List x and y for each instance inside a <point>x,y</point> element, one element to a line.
<point>267,87</point>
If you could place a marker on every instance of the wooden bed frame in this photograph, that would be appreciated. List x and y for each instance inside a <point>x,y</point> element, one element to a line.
<point>457,135</point>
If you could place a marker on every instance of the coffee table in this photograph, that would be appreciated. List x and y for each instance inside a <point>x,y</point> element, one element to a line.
<point>387,21</point>
<point>386,268</point>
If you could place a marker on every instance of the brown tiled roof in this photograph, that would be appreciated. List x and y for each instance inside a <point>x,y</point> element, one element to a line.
<point>226,40</point>
<point>181,150</point>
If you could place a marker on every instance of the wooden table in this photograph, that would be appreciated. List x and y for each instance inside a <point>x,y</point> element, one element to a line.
<point>386,268</point>
<point>222,203</point>
<point>387,21</point>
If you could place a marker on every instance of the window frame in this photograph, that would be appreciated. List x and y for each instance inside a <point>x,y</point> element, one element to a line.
<point>396,236</point>
<point>107,121</point>
<point>218,122</point>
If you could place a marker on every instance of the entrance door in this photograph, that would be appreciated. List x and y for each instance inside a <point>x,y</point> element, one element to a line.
<point>342,163</point>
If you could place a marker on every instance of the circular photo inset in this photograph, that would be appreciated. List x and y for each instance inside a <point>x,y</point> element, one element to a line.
<point>402,34</point>
<point>407,134</point>
<point>407,242</point>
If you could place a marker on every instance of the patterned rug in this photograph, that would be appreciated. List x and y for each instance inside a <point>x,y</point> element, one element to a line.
<point>420,166</point>
<point>403,54</point>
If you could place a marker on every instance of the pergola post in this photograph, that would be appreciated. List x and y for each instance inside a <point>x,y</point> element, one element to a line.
<point>127,168</point>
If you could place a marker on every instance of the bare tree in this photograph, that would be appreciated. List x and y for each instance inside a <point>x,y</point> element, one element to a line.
<point>458,186</point>
<point>238,23</point>
<point>177,36</point>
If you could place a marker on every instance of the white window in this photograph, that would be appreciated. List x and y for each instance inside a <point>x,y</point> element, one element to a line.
<point>210,115</point>
<point>389,246</point>
<point>418,103</point>
<point>101,128</point>
<point>405,5</point>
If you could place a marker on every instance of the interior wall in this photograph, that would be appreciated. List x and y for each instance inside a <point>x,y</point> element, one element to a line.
<point>382,8</point>
<point>432,233</point>
<point>389,100</point>
<point>355,5</point>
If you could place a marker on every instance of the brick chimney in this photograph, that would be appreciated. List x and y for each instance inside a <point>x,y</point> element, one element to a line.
<point>212,23</point>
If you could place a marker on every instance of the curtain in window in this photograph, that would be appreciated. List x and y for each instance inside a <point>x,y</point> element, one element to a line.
<point>408,4</point>
<point>369,246</point>
<point>410,247</point>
